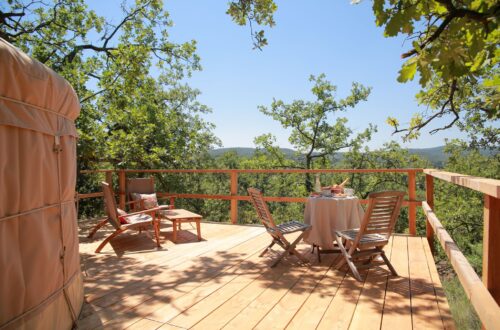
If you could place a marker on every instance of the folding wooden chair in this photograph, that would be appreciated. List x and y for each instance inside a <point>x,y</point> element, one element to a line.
<point>367,242</point>
<point>278,232</point>
<point>125,221</point>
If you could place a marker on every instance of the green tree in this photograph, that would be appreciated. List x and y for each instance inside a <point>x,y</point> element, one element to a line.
<point>129,117</point>
<point>461,209</point>
<point>136,112</point>
<point>317,132</point>
<point>392,156</point>
<point>454,50</point>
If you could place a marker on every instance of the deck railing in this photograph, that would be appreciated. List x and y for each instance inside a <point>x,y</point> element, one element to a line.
<point>234,198</point>
<point>484,295</point>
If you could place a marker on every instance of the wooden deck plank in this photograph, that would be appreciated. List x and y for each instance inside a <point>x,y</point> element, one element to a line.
<point>229,309</point>
<point>425,310</point>
<point>128,265</point>
<point>257,309</point>
<point>157,291</point>
<point>224,284</point>
<point>370,306</point>
<point>110,275</point>
<point>211,288</point>
<point>444,308</point>
<point>339,312</point>
<point>145,324</point>
<point>311,312</point>
<point>128,240</point>
<point>397,305</point>
<point>283,312</point>
<point>177,260</point>
<point>180,301</point>
<point>180,292</point>
<point>197,312</point>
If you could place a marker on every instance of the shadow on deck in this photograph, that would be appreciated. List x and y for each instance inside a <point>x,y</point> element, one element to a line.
<point>221,282</point>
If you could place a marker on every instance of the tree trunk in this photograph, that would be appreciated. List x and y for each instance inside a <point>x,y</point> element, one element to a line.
<point>309,185</point>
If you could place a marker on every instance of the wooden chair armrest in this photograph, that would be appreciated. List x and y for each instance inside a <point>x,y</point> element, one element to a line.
<point>171,198</point>
<point>153,210</point>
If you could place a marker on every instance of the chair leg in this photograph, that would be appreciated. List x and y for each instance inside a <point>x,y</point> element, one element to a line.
<point>314,246</point>
<point>388,263</point>
<point>267,248</point>
<point>347,259</point>
<point>156,227</point>
<point>294,251</point>
<point>290,249</point>
<point>97,227</point>
<point>109,238</point>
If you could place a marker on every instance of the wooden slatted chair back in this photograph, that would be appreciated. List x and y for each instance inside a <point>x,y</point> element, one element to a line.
<point>262,209</point>
<point>382,213</point>
<point>110,204</point>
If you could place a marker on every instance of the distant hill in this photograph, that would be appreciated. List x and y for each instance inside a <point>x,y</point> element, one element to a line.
<point>435,155</point>
<point>245,152</point>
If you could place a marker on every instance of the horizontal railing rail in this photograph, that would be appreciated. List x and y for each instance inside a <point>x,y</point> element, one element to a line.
<point>484,296</point>
<point>412,203</point>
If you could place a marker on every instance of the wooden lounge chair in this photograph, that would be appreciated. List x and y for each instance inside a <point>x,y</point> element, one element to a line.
<point>278,232</point>
<point>136,186</point>
<point>125,221</point>
<point>367,242</point>
<point>142,186</point>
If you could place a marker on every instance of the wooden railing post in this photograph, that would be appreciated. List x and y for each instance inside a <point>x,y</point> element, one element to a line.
<point>109,178</point>
<point>412,196</point>
<point>234,201</point>
<point>491,246</point>
<point>429,192</point>
<point>122,183</point>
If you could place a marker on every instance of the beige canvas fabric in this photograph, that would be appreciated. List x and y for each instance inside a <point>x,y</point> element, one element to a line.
<point>40,277</point>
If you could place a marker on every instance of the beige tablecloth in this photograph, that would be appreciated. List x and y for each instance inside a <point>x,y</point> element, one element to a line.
<point>328,214</point>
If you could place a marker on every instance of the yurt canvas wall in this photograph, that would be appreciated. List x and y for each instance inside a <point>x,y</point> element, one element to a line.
<point>40,278</point>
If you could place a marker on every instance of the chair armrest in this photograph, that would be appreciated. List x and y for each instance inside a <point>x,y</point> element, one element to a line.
<point>153,210</point>
<point>172,200</point>
<point>167,197</point>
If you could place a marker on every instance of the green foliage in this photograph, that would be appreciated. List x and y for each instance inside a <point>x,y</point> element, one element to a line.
<point>314,133</point>
<point>461,209</point>
<point>129,117</point>
<point>455,52</point>
<point>463,313</point>
<point>256,11</point>
<point>391,155</point>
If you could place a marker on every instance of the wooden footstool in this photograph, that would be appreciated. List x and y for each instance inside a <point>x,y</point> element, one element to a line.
<point>178,216</point>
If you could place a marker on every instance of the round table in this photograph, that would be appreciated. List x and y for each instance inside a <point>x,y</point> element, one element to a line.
<point>328,214</point>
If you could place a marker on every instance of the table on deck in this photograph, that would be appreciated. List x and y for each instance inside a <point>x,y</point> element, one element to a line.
<point>178,216</point>
<point>328,214</point>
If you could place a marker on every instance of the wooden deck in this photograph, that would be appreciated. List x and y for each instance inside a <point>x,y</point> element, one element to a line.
<point>221,282</point>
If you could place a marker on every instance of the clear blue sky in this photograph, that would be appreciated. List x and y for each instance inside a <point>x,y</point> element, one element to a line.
<point>331,37</point>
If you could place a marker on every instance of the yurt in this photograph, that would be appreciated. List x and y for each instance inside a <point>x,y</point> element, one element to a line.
<point>40,278</point>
